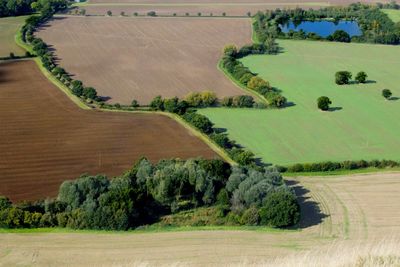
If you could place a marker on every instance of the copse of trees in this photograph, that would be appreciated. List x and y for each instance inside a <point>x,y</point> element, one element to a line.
<point>201,99</point>
<point>339,36</point>
<point>148,191</point>
<point>24,7</point>
<point>376,26</point>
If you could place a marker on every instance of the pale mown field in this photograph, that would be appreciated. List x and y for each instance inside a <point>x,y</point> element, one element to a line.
<point>352,214</point>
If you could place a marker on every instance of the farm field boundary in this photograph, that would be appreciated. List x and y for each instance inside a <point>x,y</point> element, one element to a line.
<point>81,104</point>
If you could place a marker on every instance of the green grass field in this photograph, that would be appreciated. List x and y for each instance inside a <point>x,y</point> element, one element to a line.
<point>363,125</point>
<point>393,14</point>
<point>8,28</point>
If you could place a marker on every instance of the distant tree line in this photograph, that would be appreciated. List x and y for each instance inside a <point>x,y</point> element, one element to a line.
<point>390,5</point>
<point>334,166</point>
<point>148,191</point>
<point>375,25</point>
<point>24,7</point>
<point>246,78</point>
<point>47,58</point>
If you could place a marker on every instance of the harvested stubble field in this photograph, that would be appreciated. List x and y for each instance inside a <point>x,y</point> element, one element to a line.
<point>8,28</point>
<point>140,58</point>
<point>46,139</point>
<point>352,210</point>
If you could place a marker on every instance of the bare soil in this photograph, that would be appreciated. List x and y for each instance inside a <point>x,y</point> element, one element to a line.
<point>140,58</point>
<point>46,139</point>
<point>346,210</point>
<point>193,7</point>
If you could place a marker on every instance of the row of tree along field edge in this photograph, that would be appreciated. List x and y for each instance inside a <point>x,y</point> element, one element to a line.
<point>176,193</point>
<point>375,25</point>
<point>183,108</point>
<point>247,79</point>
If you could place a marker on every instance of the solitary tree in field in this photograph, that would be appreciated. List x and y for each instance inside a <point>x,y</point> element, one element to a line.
<point>361,77</point>
<point>323,103</point>
<point>187,14</point>
<point>386,93</point>
<point>109,13</point>
<point>342,77</point>
<point>249,14</point>
<point>122,14</point>
<point>199,14</point>
<point>136,14</point>
<point>223,14</point>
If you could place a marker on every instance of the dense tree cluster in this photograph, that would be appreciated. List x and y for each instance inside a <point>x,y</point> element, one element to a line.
<point>23,7</point>
<point>248,79</point>
<point>375,25</point>
<point>334,166</point>
<point>148,191</point>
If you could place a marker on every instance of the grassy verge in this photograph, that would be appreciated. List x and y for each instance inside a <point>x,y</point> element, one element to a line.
<point>149,229</point>
<point>340,172</point>
<point>234,81</point>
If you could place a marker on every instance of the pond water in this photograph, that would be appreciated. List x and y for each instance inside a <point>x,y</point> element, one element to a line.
<point>324,28</point>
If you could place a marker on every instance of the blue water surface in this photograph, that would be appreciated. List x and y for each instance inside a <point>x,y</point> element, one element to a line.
<point>324,28</point>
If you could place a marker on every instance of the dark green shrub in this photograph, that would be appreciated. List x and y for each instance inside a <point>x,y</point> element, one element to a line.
<point>250,216</point>
<point>280,209</point>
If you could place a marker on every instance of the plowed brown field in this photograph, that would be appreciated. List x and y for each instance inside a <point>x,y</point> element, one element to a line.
<point>180,7</point>
<point>140,58</point>
<point>45,139</point>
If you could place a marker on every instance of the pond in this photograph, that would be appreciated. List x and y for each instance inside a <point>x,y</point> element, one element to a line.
<point>324,28</point>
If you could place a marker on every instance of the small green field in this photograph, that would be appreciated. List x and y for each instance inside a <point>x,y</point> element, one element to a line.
<point>361,125</point>
<point>393,14</point>
<point>8,28</point>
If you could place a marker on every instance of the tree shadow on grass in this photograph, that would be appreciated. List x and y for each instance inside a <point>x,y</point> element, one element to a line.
<point>311,214</point>
<point>394,98</point>
<point>333,109</point>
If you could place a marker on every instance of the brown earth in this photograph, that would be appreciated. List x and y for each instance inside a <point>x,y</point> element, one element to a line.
<point>193,7</point>
<point>140,58</point>
<point>46,139</point>
<point>344,210</point>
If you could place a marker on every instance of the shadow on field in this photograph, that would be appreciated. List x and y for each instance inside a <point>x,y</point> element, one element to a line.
<point>310,212</point>
<point>394,98</point>
<point>334,109</point>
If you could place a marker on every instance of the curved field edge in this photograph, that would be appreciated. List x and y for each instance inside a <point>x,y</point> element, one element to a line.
<point>82,105</point>
<point>238,84</point>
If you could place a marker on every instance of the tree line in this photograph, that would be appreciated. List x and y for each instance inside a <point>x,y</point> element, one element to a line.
<point>376,26</point>
<point>248,79</point>
<point>41,49</point>
<point>335,166</point>
<point>145,193</point>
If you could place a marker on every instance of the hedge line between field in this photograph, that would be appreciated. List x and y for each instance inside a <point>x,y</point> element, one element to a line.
<point>188,114</point>
<point>328,166</point>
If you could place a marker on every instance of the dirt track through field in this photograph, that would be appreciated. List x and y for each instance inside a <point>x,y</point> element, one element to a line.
<point>353,210</point>
<point>140,58</point>
<point>46,139</point>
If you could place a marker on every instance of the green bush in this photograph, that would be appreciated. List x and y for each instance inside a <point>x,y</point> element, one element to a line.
<point>250,216</point>
<point>280,209</point>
